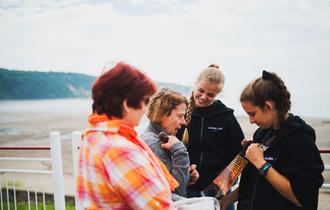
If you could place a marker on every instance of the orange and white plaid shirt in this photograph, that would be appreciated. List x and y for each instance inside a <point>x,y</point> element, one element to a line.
<point>119,171</point>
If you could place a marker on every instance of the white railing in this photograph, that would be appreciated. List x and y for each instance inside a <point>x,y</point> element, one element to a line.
<point>56,172</point>
<point>76,140</point>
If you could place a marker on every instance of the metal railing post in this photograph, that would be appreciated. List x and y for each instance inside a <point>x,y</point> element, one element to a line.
<point>325,150</point>
<point>58,183</point>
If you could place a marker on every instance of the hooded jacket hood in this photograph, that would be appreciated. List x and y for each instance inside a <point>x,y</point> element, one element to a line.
<point>214,109</point>
<point>295,123</point>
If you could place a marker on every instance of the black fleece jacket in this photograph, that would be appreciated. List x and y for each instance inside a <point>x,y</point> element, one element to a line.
<point>214,140</point>
<point>293,154</point>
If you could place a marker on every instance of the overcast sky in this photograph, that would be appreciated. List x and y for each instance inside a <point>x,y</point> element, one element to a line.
<point>172,40</point>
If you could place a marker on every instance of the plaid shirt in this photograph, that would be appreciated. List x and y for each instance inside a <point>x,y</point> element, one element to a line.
<point>118,171</point>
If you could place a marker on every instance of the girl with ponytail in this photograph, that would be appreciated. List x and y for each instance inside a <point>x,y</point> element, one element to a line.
<point>212,134</point>
<point>285,167</point>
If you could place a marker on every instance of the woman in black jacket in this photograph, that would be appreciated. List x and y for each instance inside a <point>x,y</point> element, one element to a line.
<point>214,135</point>
<point>285,167</point>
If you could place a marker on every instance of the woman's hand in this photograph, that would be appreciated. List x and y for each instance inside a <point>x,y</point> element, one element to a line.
<point>171,140</point>
<point>194,175</point>
<point>255,155</point>
<point>224,203</point>
<point>246,142</point>
<point>229,199</point>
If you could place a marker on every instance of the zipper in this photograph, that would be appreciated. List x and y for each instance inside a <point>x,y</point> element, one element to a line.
<point>264,148</point>
<point>201,140</point>
<point>202,150</point>
<point>254,191</point>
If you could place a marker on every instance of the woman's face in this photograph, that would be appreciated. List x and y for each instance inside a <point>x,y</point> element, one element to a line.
<point>205,92</point>
<point>265,118</point>
<point>176,119</point>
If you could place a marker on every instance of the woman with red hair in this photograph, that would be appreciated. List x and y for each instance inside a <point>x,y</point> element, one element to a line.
<point>116,169</point>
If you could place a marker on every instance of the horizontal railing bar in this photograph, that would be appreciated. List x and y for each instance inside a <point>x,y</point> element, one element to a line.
<point>324,150</point>
<point>25,171</point>
<point>25,148</point>
<point>326,186</point>
<point>24,159</point>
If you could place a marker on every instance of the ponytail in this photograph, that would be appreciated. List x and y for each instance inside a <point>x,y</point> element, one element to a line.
<point>268,87</point>
<point>185,137</point>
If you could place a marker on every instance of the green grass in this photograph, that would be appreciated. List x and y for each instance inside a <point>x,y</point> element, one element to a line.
<point>11,184</point>
<point>49,206</point>
<point>24,206</point>
<point>22,203</point>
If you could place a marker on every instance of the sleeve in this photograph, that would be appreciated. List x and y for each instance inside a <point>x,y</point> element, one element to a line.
<point>135,180</point>
<point>304,169</point>
<point>179,169</point>
<point>176,160</point>
<point>152,140</point>
<point>234,137</point>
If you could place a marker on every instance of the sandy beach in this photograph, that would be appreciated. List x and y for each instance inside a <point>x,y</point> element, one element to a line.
<point>20,129</point>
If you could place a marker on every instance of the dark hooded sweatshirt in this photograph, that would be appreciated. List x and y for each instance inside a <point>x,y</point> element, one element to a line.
<point>293,154</point>
<point>214,140</point>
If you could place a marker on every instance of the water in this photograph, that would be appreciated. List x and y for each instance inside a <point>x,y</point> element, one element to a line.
<point>14,113</point>
<point>305,104</point>
<point>46,105</point>
<point>24,119</point>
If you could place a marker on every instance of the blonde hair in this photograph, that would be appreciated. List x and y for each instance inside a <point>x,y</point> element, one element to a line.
<point>162,104</point>
<point>212,74</point>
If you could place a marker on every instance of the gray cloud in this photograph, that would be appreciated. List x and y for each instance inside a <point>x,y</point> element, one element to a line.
<point>178,37</point>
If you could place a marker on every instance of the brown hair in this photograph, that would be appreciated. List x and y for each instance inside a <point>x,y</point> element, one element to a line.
<point>268,87</point>
<point>162,104</point>
<point>122,82</point>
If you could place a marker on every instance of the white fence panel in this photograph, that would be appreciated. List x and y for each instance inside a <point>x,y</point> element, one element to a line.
<point>56,172</point>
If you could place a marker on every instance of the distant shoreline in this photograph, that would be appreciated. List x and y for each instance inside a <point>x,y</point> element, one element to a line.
<point>83,106</point>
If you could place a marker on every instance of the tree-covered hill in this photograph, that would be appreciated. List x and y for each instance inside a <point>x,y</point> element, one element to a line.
<point>43,85</point>
<point>15,84</point>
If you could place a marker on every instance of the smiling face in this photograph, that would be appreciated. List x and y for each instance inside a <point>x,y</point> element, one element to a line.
<point>205,93</point>
<point>265,118</point>
<point>175,120</point>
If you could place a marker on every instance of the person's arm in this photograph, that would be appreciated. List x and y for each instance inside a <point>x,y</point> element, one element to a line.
<point>229,199</point>
<point>136,181</point>
<point>235,136</point>
<point>180,160</point>
<point>177,164</point>
<point>281,184</point>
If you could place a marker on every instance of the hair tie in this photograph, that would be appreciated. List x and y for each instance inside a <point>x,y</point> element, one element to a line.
<point>266,75</point>
<point>214,66</point>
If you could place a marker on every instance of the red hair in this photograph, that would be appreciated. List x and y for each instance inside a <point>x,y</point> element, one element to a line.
<point>122,82</point>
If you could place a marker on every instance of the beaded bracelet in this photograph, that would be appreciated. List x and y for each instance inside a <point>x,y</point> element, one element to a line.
<point>264,168</point>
